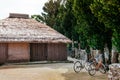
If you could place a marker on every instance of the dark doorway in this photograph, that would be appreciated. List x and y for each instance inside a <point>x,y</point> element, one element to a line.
<point>38,51</point>
<point>3,52</point>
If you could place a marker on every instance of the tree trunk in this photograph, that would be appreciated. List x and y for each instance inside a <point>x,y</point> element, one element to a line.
<point>88,56</point>
<point>109,60</point>
<point>103,56</point>
<point>115,56</point>
<point>118,57</point>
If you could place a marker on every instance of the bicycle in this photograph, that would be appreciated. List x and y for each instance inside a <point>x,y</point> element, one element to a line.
<point>92,68</point>
<point>79,65</point>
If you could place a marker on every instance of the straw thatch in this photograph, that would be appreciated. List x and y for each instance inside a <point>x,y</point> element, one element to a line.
<point>28,30</point>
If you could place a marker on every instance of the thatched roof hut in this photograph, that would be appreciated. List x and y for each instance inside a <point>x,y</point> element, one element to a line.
<point>38,39</point>
<point>28,30</point>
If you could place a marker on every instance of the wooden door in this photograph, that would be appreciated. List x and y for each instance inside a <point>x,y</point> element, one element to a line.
<point>3,52</point>
<point>38,51</point>
<point>57,52</point>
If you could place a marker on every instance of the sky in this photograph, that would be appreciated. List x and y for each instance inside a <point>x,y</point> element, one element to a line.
<point>20,6</point>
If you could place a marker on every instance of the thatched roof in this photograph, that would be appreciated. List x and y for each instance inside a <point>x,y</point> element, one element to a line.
<point>28,30</point>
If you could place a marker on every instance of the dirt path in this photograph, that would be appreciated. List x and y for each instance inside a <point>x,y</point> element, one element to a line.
<point>32,74</point>
<point>58,71</point>
<point>83,76</point>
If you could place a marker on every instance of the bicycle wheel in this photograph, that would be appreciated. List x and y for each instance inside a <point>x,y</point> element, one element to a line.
<point>87,66</point>
<point>77,66</point>
<point>91,69</point>
<point>102,69</point>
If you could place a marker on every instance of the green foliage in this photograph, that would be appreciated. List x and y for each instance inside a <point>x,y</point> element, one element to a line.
<point>69,20</point>
<point>39,18</point>
<point>96,41</point>
<point>108,12</point>
<point>83,41</point>
<point>88,24</point>
<point>65,21</point>
<point>50,12</point>
<point>116,40</point>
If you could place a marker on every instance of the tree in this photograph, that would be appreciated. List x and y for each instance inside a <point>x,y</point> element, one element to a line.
<point>88,24</point>
<point>96,33</point>
<point>50,12</point>
<point>108,12</point>
<point>68,20</point>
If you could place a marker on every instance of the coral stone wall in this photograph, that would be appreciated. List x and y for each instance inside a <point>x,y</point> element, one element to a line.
<point>114,71</point>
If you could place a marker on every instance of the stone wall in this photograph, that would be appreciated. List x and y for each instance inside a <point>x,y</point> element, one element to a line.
<point>114,71</point>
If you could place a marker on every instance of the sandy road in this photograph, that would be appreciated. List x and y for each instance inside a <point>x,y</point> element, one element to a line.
<point>56,71</point>
<point>34,72</point>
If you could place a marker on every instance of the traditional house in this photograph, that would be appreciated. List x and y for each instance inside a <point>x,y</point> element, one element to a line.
<point>25,39</point>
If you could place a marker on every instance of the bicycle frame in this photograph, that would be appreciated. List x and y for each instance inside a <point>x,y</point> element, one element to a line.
<point>92,69</point>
